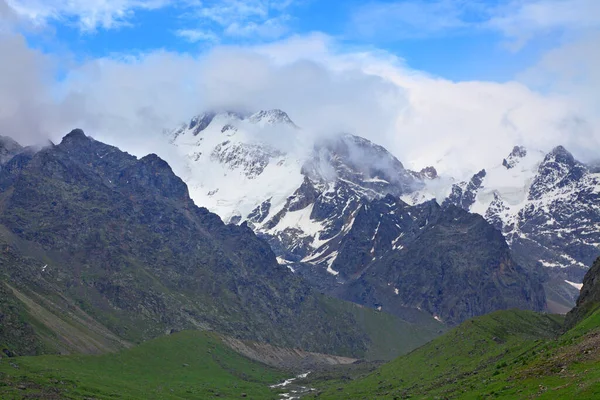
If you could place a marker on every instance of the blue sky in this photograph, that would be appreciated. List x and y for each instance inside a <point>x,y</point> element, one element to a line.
<point>454,39</point>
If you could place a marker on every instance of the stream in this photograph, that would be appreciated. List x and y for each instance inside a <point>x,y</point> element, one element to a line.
<point>295,391</point>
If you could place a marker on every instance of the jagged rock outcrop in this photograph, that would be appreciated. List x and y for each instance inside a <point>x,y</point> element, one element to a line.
<point>589,297</point>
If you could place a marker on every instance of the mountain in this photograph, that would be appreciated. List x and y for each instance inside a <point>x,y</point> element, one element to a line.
<point>295,192</point>
<point>101,250</point>
<point>330,209</point>
<point>442,260</point>
<point>548,208</point>
<point>507,354</point>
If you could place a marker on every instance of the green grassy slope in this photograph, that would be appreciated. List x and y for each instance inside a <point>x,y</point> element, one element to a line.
<point>191,364</point>
<point>508,354</point>
<point>389,336</point>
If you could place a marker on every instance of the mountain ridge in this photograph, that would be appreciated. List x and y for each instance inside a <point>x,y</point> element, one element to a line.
<point>119,240</point>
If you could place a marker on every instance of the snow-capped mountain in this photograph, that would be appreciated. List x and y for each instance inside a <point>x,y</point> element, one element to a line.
<point>303,195</point>
<point>330,208</point>
<point>235,162</point>
<point>297,192</point>
<point>548,208</point>
<point>548,204</point>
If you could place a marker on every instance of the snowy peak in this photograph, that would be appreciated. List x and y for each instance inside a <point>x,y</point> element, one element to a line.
<point>517,153</point>
<point>464,193</point>
<point>362,163</point>
<point>558,169</point>
<point>427,173</point>
<point>201,122</point>
<point>560,155</point>
<point>271,117</point>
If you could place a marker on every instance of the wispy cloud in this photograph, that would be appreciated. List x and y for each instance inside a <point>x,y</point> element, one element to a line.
<point>197,35</point>
<point>520,21</point>
<point>208,20</point>
<point>516,20</point>
<point>87,15</point>
<point>410,19</point>
<point>260,19</point>
<point>272,28</point>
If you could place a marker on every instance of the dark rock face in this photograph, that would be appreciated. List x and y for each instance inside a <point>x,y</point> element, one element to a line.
<point>553,230</point>
<point>427,173</point>
<point>463,194</point>
<point>589,297</point>
<point>563,199</point>
<point>8,149</point>
<point>261,212</point>
<point>201,122</point>
<point>514,156</point>
<point>124,241</point>
<point>445,261</point>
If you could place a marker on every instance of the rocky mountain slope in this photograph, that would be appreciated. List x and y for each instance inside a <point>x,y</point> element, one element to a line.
<point>100,250</point>
<point>325,213</point>
<point>508,354</point>
<point>443,260</point>
<point>302,194</point>
<point>548,208</point>
<point>589,297</point>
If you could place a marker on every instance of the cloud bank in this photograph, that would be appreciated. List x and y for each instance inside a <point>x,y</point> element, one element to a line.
<point>326,88</point>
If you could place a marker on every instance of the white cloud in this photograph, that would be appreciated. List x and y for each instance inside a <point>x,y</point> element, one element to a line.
<point>197,35</point>
<point>87,15</point>
<point>325,88</point>
<point>457,126</point>
<point>28,112</point>
<point>516,20</point>
<point>262,19</point>
<point>408,19</point>
<point>573,70</point>
<point>522,20</point>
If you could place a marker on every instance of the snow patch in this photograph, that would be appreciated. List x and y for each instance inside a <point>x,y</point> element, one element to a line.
<point>577,286</point>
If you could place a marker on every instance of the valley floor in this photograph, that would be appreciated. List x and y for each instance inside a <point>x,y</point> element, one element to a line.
<point>507,354</point>
<point>186,365</point>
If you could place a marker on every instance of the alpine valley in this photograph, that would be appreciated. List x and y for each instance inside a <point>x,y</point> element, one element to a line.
<point>281,264</point>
